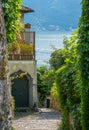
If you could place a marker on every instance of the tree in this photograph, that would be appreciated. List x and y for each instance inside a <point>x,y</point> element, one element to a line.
<point>83,50</point>
<point>57,58</point>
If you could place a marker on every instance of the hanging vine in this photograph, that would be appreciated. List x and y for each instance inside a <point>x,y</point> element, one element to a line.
<point>12,14</point>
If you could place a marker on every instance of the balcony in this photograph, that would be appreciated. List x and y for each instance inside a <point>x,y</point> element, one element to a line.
<point>24,49</point>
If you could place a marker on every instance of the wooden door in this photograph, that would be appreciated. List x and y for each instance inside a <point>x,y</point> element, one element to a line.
<point>20,91</point>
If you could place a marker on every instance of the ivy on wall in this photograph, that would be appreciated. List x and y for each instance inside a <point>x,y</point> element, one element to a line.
<point>12,14</point>
<point>69,98</point>
<point>83,52</point>
<point>68,84</point>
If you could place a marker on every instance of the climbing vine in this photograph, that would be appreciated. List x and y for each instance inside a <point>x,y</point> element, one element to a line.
<point>12,14</point>
<point>83,50</point>
<point>68,83</point>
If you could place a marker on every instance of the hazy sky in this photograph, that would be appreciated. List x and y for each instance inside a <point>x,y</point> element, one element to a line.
<point>59,14</point>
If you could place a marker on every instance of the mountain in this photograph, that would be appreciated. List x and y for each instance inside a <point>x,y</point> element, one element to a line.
<point>53,14</point>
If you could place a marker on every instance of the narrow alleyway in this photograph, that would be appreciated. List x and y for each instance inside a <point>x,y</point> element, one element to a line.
<point>47,119</point>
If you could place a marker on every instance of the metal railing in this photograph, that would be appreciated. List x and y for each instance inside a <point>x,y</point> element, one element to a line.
<point>21,57</point>
<point>28,38</point>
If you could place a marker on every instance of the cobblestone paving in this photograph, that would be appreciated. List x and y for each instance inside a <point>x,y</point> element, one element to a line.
<point>47,119</point>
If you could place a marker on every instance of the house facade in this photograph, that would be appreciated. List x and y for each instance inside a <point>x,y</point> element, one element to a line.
<point>23,68</point>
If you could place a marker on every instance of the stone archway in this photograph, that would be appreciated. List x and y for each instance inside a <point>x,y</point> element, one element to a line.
<point>22,89</point>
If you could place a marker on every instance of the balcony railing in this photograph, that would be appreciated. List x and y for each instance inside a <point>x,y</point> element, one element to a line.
<point>21,57</point>
<point>28,38</point>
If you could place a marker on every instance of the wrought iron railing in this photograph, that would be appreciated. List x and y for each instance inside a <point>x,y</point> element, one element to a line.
<point>21,57</point>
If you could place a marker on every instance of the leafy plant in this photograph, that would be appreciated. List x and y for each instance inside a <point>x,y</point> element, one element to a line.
<point>68,83</point>
<point>83,62</point>
<point>12,128</point>
<point>54,97</point>
<point>45,78</point>
<point>69,97</point>
<point>57,58</point>
<point>12,15</point>
<point>22,48</point>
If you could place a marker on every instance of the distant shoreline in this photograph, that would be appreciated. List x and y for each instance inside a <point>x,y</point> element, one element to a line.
<point>44,43</point>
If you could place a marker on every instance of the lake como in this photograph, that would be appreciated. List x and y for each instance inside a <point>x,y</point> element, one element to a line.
<point>45,41</point>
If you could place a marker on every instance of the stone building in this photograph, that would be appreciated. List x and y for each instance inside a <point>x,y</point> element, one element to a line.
<point>23,69</point>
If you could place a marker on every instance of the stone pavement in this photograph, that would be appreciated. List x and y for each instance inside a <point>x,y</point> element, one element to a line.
<point>47,119</point>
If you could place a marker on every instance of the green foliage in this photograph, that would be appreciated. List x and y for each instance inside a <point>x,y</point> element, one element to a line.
<point>68,82</point>
<point>66,91</point>
<point>67,55</point>
<point>12,14</point>
<point>62,89</point>
<point>12,105</point>
<point>45,78</point>
<point>83,53</point>
<point>12,128</point>
<point>22,48</point>
<point>71,52</point>
<point>65,42</point>
<point>54,92</point>
<point>54,97</point>
<point>57,59</point>
<point>69,97</point>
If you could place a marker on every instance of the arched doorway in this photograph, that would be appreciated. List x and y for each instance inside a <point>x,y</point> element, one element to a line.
<point>21,84</point>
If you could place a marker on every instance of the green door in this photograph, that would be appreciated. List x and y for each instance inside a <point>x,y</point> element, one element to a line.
<point>20,91</point>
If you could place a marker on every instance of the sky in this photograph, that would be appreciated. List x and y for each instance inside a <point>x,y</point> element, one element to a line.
<point>53,14</point>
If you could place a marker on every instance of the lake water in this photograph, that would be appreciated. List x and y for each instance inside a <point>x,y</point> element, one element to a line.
<point>44,43</point>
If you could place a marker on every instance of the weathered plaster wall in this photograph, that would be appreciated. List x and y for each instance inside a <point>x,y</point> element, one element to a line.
<point>29,67</point>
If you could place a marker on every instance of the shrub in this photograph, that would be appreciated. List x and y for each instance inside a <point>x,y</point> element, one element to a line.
<point>69,98</point>
<point>54,97</point>
<point>12,128</point>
